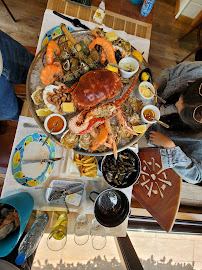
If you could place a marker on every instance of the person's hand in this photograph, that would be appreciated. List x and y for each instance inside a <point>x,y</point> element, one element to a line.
<point>160,139</point>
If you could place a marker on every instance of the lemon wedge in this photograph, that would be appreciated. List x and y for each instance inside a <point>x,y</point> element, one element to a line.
<point>43,111</point>
<point>137,55</point>
<point>140,128</point>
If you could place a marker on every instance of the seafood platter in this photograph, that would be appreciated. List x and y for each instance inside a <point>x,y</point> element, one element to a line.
<point>71,76</point>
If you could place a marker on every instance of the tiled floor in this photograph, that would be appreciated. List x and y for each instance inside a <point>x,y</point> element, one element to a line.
<point>157,251</point>
<point>162,251</point>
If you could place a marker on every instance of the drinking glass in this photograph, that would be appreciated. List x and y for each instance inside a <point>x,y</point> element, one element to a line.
<point>58,235</point>
<point>81,230</point>
<point>98,235</point>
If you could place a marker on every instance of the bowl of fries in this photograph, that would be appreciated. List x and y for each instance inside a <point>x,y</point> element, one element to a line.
<point>87,165</point>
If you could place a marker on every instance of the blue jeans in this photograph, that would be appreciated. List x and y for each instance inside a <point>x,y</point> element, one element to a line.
<point>16,62</point>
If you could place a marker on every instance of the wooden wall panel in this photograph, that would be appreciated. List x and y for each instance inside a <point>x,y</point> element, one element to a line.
<point>111,20</point>
<point>119,24</point>
<point>131,28</point>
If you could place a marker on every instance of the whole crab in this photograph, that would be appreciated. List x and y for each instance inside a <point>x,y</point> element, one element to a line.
<point>95,87</point>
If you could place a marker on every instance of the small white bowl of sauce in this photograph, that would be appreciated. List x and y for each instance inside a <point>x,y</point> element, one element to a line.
<point>146,90</point>
<point>51,121</point>
<point>149,112</point>
<point>128,63</point>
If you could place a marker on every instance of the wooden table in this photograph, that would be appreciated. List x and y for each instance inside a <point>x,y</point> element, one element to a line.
<point>141,27</point>
<point>120,15</point>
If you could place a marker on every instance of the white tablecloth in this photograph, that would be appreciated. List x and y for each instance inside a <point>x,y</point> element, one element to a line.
<point>60,172</point>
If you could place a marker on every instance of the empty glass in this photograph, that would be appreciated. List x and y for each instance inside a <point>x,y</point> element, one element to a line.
<point>98,235</point>
<point>81,230</point>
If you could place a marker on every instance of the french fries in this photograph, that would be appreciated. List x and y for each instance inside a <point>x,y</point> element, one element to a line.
<point>87,165</point>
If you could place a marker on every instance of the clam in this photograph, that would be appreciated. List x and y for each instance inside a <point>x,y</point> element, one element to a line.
<point>66,65</point>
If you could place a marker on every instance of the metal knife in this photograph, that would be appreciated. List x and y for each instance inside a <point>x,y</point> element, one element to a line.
<point>41,160</point>
<point>65,192</point>
<point>75,22</point>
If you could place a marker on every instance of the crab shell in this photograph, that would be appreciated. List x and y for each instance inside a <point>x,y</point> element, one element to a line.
<point>95,87</point>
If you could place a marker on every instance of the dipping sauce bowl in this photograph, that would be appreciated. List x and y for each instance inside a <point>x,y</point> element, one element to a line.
<point>145,91</point>
<point>51,121</point>
<point>148,112</point>
<point>128,63</point>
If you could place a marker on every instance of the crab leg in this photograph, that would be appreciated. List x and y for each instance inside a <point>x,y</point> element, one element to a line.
<point>125,96</point>
<point>111,137</point>
<point>123,123</point>
<point>68,90</point>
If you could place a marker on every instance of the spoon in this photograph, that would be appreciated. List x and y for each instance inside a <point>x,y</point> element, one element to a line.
<point>50,133</point>
<point>114,65</point>
<point>160,122</point>
<point>160,98</point>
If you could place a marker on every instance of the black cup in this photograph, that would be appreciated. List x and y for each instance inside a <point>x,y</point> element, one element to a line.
<point>111,207</point>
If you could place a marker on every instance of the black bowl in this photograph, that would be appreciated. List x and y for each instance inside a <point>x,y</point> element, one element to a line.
<point>109,168</point>
<point>149,72</point>
<point>111,207</point>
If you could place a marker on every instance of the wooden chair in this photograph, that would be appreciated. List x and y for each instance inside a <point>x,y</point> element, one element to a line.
<point>196,24</point>
<point>20,89</point>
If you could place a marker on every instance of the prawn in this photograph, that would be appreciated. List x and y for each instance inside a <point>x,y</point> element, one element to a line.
<point>51,48</point>
<point>107,46</point>
<point>103,57</point>
<point>101,138</point>
<point>50,72</point>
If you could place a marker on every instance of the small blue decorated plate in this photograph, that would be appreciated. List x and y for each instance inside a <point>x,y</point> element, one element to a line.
<point>30,148</point>
<point>51,34</point>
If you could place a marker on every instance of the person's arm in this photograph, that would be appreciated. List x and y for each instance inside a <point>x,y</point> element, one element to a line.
<point>173,79</point>
<point>173,157</point>
<point>190,170</point>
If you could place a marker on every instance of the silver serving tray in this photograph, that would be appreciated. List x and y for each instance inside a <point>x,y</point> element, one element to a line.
<point>33,80</point>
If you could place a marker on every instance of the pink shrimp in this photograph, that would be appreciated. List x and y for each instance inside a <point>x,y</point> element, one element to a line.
<point>51,48</point>
<point>107,46</point>
<point>50,72</point>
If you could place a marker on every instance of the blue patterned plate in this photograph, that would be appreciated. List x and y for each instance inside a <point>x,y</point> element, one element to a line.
<point>30,148</point>
<point>51,34</point>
